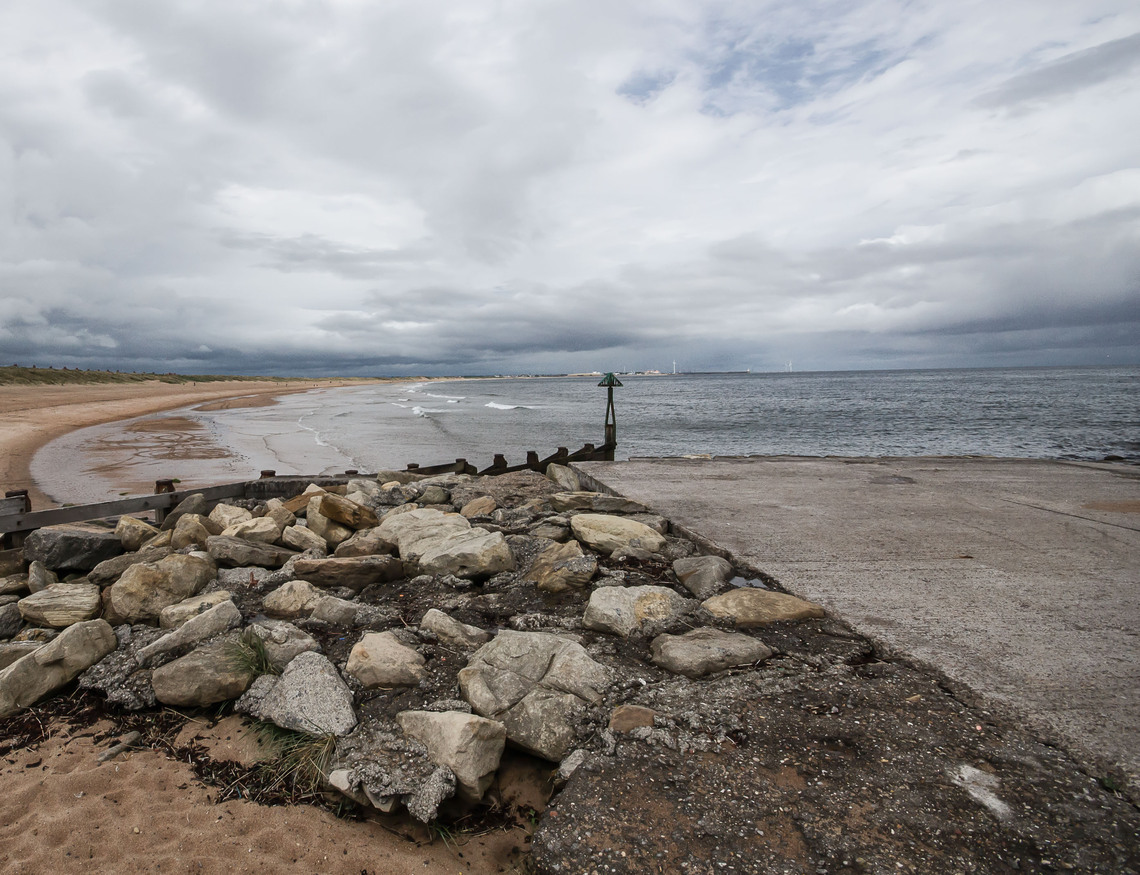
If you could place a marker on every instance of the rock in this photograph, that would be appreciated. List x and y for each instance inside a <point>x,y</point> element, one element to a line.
<point>562,567</point>
<point>144,590</point>
<point>380,660</point>
<point>470,746</point>
<point>537,685</point>
<point>61,605</point>
<point>133,533</point>
<point>190,530</point>
<point>484,505</point>
<point>333,532</point>
<point>413,529</point>
<point>276,510</point>
<point>475,554</point>
<point>626,718</point>
<point>10,620</point>
<point>354,572</point>
<point>10,651</point>
<point>400,477</point>
<point>162,539</point>
<point>235,552</point>
<point>14,584</point>
<point>748,607</point>
<point>624,610</point>
<point>110,570</point>
<point>594,502</point>
<point>704,651</point>
<point>303,538</point>
<point>118,676</point>
<point>553,529</point>
<point>260,530</point>
<point>173,616</point>
<point>451,631</point>
<point>658,523</point>
<point>367,542</point>
<point>563,477</point>
<point>434,495</point>
<point>606,533</point>
<point>308,697</point>
<point>41,577</point>
<point>297,598</point>
<point>347,513</point>
<point>282,641</point>
<point>703,576</point>
<point>195,504</point>
<point>205,676</point>
<point>56,663</point>
<point>72,547</point>
<point>220,618</point>
<point>226,515</point>
<point>339,612</point>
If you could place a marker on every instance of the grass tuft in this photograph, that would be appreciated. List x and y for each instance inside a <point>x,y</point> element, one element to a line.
<point>250,654</point>
<point>298,763</point>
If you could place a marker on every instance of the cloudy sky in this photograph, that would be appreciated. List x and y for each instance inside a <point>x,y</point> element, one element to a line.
<point>363,187</point>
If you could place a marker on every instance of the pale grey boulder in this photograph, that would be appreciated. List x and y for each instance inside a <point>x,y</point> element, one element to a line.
<point>330,530</point>
<point>236,552</point>
<point>214,621</point>
<point>352,572</point>
<point>606,533</point>
<point>303,538</point>
<point>474,554</point>
<point>282,641</point>
<point>110,570</point>
<point>537,685</point>
<point>339,612</point>
<point>133,532</point>
<point>379,659</point>
<point>625,610</point>
<point>562,567</point>
<point>226,515</point>
<point>748,607</point>
<point>260,530</point>
<point>59,661</point>
<point>143,590</point>
<point>310,696</point>
<point>41,577</point>
<point>563,477</point>
<point>195,504</point>
<point>191,530</point>
<point>173,616</point>
<point>451,631</point>
<point>367,542</point>
<point>61,605</point>
<point>470,746</point>
<point>703,576</point>
<point>705,651</point>
<point>206,675</point>
<point>594,502</point>
<point>297,598</point>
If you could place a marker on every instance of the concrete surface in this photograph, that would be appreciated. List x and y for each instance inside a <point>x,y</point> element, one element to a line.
<point>1018,580</point>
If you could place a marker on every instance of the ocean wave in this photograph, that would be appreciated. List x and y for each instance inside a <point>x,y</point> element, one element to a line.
<point>450,398</point>
<point>495,405</point>
<point>424,411</point>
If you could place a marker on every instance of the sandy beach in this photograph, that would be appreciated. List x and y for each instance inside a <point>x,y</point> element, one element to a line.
<point>64,811</point>
<point>31,416</point>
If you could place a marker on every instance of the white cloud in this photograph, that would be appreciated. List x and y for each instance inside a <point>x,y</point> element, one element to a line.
<point>360,187</point>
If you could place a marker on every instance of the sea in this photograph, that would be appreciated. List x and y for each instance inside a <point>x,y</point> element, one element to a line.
<point>1045,413</point>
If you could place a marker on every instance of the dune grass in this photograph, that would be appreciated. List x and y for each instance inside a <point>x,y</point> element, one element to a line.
<point>19,375</point>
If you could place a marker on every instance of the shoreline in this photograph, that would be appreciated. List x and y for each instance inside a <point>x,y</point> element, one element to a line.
<point>33,416</point>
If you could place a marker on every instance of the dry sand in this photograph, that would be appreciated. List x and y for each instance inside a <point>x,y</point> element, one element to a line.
<point>30,416</point>
<point>62,811</point>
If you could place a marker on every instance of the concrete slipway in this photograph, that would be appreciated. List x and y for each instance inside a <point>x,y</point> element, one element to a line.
<point>1018,581</point>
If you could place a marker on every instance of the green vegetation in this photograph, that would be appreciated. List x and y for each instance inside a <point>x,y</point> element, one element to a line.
<point>297,763</point>
<point>249,654</point>
<point>17,375</point>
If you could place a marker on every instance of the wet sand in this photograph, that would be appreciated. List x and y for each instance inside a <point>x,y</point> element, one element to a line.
<point>31,416</point>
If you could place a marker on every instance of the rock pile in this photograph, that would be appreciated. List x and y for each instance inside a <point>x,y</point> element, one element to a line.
<point>423,623</point>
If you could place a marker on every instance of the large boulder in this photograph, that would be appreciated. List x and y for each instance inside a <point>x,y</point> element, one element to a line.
<point>281,642</point>
<point>192,530</point>
<point>303,538</point>
<point>218,619</point>
<point>594,502</point>
<point>749,607</point>
<point>704,651</point>
<point>625,610</point>
<point>133,533</point>
<point>606,533</point>
<point>10,620</point>
<point>72,547</point>
<point>226,515</point>
<point>474,554</point>
<point>61,605</point>
<point>537,685</point>
<point>310,696</point>
<point>351,572</point>
<point>54,664</point>
<point>260,530</point>
<point>562,567</point>
<point>144,590</point>
<point>425,526</point>
<point>237,552</point>
<point>450,631</point>
<point>563,477</point>
<point>703,576</point>
<point>470,746</point>
<point>330,530</point>
<point>347,513</point>
<point>295,598</point>
<point>195,503</point>
<point>110,570</point>
<point>205,676</point>
<point>379,659</point>
<point>367,542</point>
<point>175,615</point>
